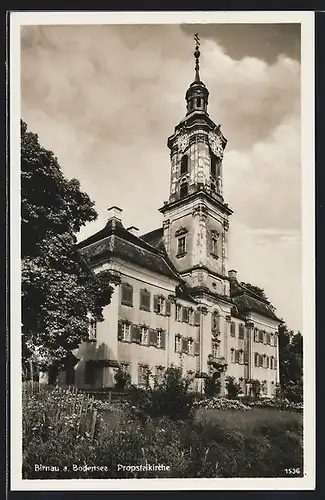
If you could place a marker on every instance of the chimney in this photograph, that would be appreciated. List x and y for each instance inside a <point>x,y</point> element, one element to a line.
<point>232,274</point>
<point>114,213</point>
<point>133,230</point>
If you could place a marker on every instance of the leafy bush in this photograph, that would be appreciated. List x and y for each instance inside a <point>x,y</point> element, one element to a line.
<point>279,404</point>
<point>122,379</point>
<point>221,404</point>
<point>233,388</point>
<point>171,397</point>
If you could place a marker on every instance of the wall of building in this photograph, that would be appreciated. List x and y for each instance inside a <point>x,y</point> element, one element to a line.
<point>108,347</point>
<point>199,219</point>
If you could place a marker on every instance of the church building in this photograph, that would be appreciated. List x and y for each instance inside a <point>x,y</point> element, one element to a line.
<point>174,300</point>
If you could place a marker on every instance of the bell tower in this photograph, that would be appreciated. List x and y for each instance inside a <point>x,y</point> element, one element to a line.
<point>195,215</point>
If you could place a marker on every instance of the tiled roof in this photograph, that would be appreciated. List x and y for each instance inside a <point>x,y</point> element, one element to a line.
<point>246,301</point>
<point>155,238</point>
<point>115,240</point>
<point>201,289</point>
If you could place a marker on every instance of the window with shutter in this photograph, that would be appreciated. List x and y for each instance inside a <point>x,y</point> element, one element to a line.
<point>197,318</point>
<point>246,357</point>
<point>267,362</point>
<point>271,339</point>
<point>126,332</point>
<point>260,360</point>
<point>152,337</point>
<point>158,341</point>
<point>260,335</point>
<point>275,363</point>
<point>268,339</point>
<point>178,311</point>
<point>190,346</point>
<point>272,362</point>
<point>177,343</point>
<point>163,340</point>
<point>119,331</point>
<point>196,348</point>
<point>241,357</point>
<point>256,359</point>
<point>185,314</point>
<point>232,355</point>
<point>264,361</point>
<point>144,335</point>
<point>241,331</point>
<point>236,356</point>
<point>155,303</point>
<point>255,334</point>
<point>185,346</point>
<point>168,307</point>
<point>135,333</point>
<point>233,329</point>
<point>126,294</point>
<point>160,305</point>
<point>145,300</point>
<point>275,340</point>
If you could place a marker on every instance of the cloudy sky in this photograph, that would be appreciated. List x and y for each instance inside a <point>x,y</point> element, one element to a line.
<point>104,99</point>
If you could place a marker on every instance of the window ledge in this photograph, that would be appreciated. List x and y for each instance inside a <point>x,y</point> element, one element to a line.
<point>128,304</point>
<point>180,255</point>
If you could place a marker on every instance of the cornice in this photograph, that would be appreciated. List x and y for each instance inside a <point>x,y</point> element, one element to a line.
<point>202,195</point>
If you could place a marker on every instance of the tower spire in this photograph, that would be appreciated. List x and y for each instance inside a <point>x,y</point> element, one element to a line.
<point>197,54</point>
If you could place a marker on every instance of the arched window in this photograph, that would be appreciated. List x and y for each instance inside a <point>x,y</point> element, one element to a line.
<point>213,165</point>
<point>199,102</point>
<point>184,164</point>
<point>183,190</point>
<point>213,187</point>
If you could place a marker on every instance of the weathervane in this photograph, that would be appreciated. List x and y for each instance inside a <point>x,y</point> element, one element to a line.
<point>197,54</point>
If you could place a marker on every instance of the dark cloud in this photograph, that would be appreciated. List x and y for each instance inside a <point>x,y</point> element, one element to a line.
<point>263,41</point>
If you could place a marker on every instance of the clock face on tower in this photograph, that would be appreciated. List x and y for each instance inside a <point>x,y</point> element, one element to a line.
<point>182,142</point>
<point>216,144</point>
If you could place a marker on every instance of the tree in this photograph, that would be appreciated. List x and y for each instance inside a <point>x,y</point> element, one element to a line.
<point>59,289</point>
<point>255,290</point>
<point>291,363</point>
